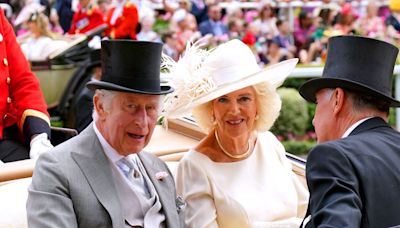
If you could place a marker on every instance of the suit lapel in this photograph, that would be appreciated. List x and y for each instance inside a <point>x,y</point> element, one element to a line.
<point>96,168</point>
<point>369,124</point>
<point>163,188</point>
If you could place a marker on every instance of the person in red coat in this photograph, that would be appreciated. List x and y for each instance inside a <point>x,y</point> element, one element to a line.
<point>86,18</point>
<point>122,20</point>
<point>24,121</point>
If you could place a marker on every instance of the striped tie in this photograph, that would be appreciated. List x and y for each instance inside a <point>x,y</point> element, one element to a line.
<point>132,171</point>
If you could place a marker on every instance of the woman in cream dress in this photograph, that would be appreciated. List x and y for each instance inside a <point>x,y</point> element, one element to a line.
<point>238,175</point>
<point>40,43</point>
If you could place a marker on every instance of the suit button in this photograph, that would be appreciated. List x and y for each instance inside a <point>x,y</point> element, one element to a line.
<point>5,61</point>
<point>9,100</point>
<point>1,37</point>
<point>8,80</point>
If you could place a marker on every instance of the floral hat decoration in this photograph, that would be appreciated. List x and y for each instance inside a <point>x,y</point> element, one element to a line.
<point>202,75</point>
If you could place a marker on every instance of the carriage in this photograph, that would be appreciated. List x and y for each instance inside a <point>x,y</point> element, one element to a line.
<point>169,145</point>
<point>61,77</point>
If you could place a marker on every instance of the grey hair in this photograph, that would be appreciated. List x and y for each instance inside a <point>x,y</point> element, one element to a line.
<point>361,102</point>
<point>268,107</point>
<point>105,97</point>
<point>329,93</point>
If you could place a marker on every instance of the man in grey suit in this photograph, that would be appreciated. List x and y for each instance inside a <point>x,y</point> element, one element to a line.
<point>102,178</point>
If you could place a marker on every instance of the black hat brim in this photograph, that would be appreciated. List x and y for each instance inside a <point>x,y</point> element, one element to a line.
<point>93,85</point>
<point>311,87</point>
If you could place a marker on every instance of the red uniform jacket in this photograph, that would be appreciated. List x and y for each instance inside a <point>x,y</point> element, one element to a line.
<point>21,100</point>
<point>87,20</point>
<point>126,23</point>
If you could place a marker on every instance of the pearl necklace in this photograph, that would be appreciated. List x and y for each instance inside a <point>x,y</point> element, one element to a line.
<point>239,156</point>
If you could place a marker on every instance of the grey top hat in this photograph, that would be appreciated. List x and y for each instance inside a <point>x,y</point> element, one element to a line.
<point>130,66</point>
<point>359,64</point>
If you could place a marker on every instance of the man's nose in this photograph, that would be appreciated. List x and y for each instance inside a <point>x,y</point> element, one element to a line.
<point>141,117</point>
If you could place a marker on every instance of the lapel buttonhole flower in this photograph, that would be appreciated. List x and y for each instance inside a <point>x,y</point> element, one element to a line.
<point>161,175</point>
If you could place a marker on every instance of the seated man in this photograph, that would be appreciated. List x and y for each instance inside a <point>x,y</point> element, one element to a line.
<point>102,178</point>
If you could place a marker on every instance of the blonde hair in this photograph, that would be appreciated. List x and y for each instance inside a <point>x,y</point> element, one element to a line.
<point>268,107</point>
<point>42,22</point>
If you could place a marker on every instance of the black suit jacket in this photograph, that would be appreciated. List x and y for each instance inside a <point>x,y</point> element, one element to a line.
<point>84,109</point>
<point>355,181</point>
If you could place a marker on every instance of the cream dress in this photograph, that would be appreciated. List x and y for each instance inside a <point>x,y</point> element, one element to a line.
<point>39,49</point>
<point>260,191</point>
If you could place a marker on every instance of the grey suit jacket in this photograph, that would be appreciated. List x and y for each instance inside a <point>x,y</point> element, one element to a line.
<point>72,186</point>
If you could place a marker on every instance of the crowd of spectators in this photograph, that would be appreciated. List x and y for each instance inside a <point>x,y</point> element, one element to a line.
<point>275,30</point>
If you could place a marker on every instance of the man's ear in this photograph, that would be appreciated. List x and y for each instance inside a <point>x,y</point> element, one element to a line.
<point>339,100</point>
<point>98,106</point>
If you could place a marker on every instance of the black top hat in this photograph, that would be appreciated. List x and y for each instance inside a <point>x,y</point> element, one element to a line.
<point>359,64</point>
<point>130,66</point>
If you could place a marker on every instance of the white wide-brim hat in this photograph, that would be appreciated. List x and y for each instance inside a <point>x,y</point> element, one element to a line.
<point>201,76</point>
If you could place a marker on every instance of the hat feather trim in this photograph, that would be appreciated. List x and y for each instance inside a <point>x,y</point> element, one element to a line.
<point>191,78</point>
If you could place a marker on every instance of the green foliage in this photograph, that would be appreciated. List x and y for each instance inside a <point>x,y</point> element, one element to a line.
<point>160,120</point>
<point>298,147</point>
<point>311,113</point>
<point>392,117</point>
<point>294,82</point>
<point>56,121</point>
<point>160,25</point>
<point>293,119</point>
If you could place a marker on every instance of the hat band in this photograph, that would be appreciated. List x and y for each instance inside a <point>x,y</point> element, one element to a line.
<point>141,84</point>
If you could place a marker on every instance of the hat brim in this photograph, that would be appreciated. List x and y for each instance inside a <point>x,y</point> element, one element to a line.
<point>311,87</point>
<point>275,75</point>
<point>93,85</point>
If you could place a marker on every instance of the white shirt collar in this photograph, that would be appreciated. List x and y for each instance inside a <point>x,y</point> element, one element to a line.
<point>110,152</point>
<point>352,127</point>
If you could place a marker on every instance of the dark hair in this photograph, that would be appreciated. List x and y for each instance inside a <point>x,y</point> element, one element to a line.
<point>231,23</point>
<point>303,15</point>
<point>274,40</point>
<point>279,22</point>
<point>272,10</point>
<point>324,14</point>
<point>362,101</point>
<point>166,35</point>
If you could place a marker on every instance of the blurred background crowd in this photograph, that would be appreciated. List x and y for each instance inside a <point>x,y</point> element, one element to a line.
<point>275,30</point>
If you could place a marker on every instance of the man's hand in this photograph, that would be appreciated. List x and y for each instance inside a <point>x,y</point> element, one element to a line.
<point>39,144</point>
